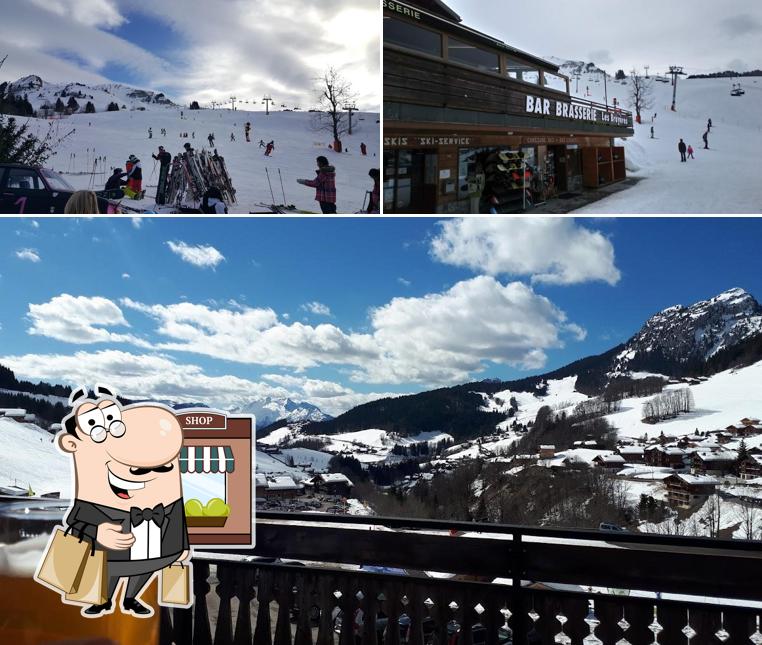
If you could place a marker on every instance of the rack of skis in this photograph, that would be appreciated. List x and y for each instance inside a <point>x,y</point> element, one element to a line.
<point>191,174</point>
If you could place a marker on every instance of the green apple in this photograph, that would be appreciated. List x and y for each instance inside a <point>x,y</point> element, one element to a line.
<point>216,507</point>
<point>194,508</point>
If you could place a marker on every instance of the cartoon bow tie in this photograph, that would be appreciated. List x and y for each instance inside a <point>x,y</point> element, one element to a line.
<point>139,515</point>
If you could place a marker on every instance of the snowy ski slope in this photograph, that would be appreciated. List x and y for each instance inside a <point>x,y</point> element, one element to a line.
<point>721,180</point>
<point>116,135</point>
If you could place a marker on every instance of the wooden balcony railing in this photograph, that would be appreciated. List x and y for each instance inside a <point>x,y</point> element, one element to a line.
<point>707,591</point>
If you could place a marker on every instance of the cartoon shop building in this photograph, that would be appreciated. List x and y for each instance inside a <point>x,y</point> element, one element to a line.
<point>472,124</point>
<point>217,465</point>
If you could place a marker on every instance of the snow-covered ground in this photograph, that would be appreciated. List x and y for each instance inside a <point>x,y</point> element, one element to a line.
<point>721,180</point>
<point>116,135</point>
<point>30,458</point>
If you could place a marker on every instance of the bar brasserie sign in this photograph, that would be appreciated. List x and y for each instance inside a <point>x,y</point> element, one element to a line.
<point>573,111</point>
<point>401,8</point>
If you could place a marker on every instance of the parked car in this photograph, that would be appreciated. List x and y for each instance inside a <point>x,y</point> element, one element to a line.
<point>34,190</point>
<point>613,528</point>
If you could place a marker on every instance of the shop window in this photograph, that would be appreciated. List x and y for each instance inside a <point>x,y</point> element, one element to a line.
<point>405,34</point>
<point>522,72</point>
<point>555,82</point>
<point>461,52</point>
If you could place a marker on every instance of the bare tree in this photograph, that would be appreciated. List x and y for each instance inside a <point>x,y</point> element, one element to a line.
<point>749,521</point>
<point>641,94</point>
<point>334,92</point>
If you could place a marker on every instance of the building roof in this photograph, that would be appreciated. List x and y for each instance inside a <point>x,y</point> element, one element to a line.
<point>260,480</point>
<point>336,478</point>
<point>696,480</point>
<point>613,459</point>
<point>12,412</point>
<point>722,455</point>
<point>548,447</point>
<point>282,483</point>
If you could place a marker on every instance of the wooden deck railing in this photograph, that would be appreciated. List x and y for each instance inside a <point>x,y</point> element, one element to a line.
<point>543,593</point>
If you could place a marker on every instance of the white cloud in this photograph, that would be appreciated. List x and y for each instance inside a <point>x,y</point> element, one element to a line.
<point>317,308</point>
<point>137,222</point>
<point>550,250</point>
<point>439,338</point>
<point>35,223</point>
<point>198,255</point>
<point>126,276</point>
<point>101,13</point>
<point>79,319</point>
<point>140,376</point>
<point>446,337</point>
<point>28,254</point>
<point>404,282</point>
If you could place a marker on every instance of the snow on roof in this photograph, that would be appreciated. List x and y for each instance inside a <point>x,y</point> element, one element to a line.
<point>336,478</point>
<point>724,455</point>
<point>614,459</point>
<point>548,447</point>
<point>631,450</point>
<point>697,480</point>
<point>282,483</point>
<point>12,412</point>
<point>260,480</point>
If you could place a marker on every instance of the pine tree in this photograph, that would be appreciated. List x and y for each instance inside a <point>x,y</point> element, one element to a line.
<point>195,106</point>
<point>18,145</point>
<point>72,104</point>
<point>59,105</point>
<point>743,453</point>
<point>89,108</point>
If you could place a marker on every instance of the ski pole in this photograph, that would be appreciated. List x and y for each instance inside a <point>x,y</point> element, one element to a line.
<point>267,172</point>
<point>281,187</point>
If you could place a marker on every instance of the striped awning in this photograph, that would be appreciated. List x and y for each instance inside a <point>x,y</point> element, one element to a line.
<point>206,459</point>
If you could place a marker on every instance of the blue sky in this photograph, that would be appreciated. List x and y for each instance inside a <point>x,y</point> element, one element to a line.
<point>196,49</point>
<point>339,311</point>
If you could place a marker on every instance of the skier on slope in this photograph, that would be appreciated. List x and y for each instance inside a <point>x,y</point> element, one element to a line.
<point>324,185</point>
<point>232,136</point>
<point>164,159</point>
<point>682,148</point>
<point>247,130</point>
<point>706,140</point>
<point>363,149</point>
<point>652,132</point>
<point>270,147</point>
<point>150,133</point>
<point>210,138</point>
<point>690,152</point>
<point>709,125</point>
<point>262,143</point>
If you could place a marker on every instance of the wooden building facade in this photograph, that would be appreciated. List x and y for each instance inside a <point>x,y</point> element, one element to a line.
<point>472,124</point>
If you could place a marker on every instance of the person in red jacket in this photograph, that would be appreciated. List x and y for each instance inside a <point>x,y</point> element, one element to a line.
<point>324,185</point>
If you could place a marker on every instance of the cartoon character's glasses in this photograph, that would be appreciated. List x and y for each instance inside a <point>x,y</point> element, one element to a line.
<point>100,422</point>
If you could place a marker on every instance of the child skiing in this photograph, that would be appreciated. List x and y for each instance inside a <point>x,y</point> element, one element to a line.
<point>690,152</point>
<point>363,149</point>
<point>247,130</point>
<point>134,178</point>
<point>324,185</point>
<point>270,147</point>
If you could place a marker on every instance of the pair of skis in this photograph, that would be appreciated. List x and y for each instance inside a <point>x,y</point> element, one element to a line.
<point>267,172</point>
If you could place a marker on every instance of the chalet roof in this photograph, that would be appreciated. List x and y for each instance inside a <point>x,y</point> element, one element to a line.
<point>631,450</point>
<point>283,483</point>
<point>336,478</point>
<point>612,459</point>
<point>260,480</point>
<point>720,455</point>
<point>547,447</point>
<point>696,480</point>
<point>12,412</point>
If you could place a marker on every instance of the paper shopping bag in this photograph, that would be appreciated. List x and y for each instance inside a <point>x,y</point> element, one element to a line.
<point>93,584</point>
<point>63,562</point>
<point>176,585</point>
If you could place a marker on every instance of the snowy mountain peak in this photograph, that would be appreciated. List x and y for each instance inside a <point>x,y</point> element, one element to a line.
<point>572,67</point>
<point>682,334</point>
<point>41,93</point>
<point>270,410</point>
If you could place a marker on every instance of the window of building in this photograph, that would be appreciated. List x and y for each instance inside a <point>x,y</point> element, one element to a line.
<point>555,82</point>
<point>461,52</point>
<point>20,178</point>
<point>405,34</point>
<point>522,72</point>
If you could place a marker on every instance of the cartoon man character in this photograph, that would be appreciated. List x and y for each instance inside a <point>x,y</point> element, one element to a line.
<point>127,490</point>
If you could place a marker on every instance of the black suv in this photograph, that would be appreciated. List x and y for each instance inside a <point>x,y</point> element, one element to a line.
<point>37,191</point>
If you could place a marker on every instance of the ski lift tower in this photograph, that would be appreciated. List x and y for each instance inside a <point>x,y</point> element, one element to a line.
<point>233,99</point>
<point>647,67</point>
<point>267,100</point>
<point>350,108</point>
<point>675,72</point>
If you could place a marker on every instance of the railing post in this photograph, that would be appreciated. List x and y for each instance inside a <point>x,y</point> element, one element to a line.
<point>519,610</point>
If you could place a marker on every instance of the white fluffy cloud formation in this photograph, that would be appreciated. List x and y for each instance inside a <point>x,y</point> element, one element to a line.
<point>317,308</point>
<point>160,377</point>
<point>550,250</point>
<point>31,255</point>
<point>199,255</point>
<point>439,338</point>
<point>246,48</point>
<point>79,319</point>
